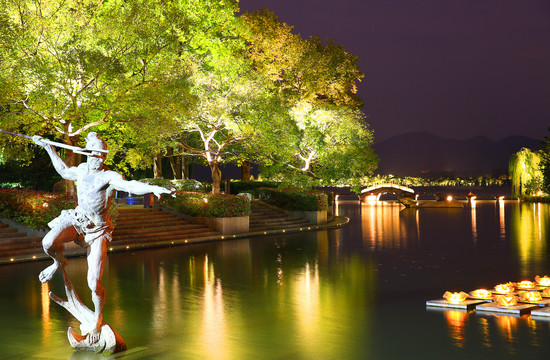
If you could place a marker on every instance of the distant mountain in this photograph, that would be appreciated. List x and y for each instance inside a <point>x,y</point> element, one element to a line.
<point>424,154</point>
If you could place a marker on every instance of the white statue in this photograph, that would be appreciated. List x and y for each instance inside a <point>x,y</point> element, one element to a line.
<point>96,185</point>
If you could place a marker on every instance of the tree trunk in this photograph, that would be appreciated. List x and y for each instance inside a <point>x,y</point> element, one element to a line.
<point>175,164</point>
<point>157,166</point>
<point>71,159</point>
<point>245,171</point>
<point>216,177</point>
<point>187,166</point>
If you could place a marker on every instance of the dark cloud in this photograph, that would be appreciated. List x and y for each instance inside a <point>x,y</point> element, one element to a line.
<point>455,68</point>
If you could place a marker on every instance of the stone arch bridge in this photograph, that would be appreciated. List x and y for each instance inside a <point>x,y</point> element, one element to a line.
<point>403,193</point>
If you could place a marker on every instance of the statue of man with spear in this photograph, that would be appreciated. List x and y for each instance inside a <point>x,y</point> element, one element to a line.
<point>90,219</point>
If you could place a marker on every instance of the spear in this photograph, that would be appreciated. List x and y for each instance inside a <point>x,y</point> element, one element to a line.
<point>74,149</point>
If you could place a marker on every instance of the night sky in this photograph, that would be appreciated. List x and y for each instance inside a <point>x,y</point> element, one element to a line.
<point>457,69</point>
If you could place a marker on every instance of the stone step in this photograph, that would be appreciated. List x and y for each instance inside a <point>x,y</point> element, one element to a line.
<point>172,237</point>
<point>287,224</point>
<point>16,252</point>
<point>277,218</point>
<point>150,223</point>
<point>145,215</point>
<point>277,227</point>
<point>11,234</point>
<point>19,240</point>
<point>156,230</point>
<point>31,244</point>
<point>6,229</point>
<point>281,219</point>
<point>158,234</point>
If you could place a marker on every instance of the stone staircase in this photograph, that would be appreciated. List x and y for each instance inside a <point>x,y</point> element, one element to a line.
<point>13,242</point>
<point>265,217</point>
<point>138,225</point>
<point>141,225</point>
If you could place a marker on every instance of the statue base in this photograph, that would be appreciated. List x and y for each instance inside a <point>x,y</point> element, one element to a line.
<point>109,341</point>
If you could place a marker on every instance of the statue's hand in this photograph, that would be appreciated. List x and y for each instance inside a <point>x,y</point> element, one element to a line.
<point>158,192</point>
<point>38,140</point>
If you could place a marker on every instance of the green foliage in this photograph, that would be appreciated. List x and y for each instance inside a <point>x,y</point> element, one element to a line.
<point>545,164</point>
<point>320,124</point>
<point>294,199</point>
<point>182,78</point>
<point>537,198</point>
<point>38,174</point>
<point>525,172</point>
<point>179,185</point>
<point>237,187</point>
<point>36,209</point>
<point>207,205</point>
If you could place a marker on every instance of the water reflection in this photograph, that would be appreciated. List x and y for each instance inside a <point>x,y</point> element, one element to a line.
<point>387,225</point>
<point>46,323</point>
<point>502,220</point>
<point>213,330</point>
<point>529,234</point>
<point>473,203</point>
<point>352,293</point>
<point>456,321</point>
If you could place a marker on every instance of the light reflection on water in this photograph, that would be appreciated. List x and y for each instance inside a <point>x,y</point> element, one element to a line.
<point>354,293</point>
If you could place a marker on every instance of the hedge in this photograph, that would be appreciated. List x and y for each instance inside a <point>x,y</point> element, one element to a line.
<point>35,209</point>
<point>294,199</point>
<point>537,198</point>
<point>207,205</point>
<point>179,185</point>
<point>237,187</point>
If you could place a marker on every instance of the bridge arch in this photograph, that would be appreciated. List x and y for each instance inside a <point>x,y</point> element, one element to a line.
<point>377,190</point>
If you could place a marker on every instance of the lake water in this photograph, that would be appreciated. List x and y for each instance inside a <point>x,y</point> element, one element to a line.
<point>358,292</point>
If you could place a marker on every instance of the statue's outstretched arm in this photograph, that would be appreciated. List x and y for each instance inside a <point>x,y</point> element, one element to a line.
<point>137,188</point>
<point>58,163</point>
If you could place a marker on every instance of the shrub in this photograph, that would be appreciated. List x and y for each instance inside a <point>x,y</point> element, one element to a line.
<point>237,187</point>
<point>179,185</point>
<point>35,209</point>
<point>537,198</point>
<point>207,205</point>
<point>294,199</point>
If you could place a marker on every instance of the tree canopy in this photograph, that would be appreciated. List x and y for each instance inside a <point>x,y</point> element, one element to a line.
<point>183,78</point>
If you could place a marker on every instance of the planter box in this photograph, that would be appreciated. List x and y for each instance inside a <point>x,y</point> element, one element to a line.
<point>226,225</point>
<point>314,217</point>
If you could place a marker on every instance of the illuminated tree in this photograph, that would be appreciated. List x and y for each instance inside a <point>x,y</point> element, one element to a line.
<point>70,66</point>
<point>545,164</point>
<point>325,134</point>
<point>525,172</point>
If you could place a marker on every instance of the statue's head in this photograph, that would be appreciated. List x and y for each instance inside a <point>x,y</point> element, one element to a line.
<point>93,142</point>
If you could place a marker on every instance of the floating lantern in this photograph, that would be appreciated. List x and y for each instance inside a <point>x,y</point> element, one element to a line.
<point>506,300</point>
<point>449,198</point>
<point>543,281</point>
<point>546,292</point>
<point>456,297</point>
<point>481,294</point>
<point>505,288</point>
<point>530,296</point>
<point>525,284</point>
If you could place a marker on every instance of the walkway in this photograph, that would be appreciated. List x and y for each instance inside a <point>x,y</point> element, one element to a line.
<point>144,228</point>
